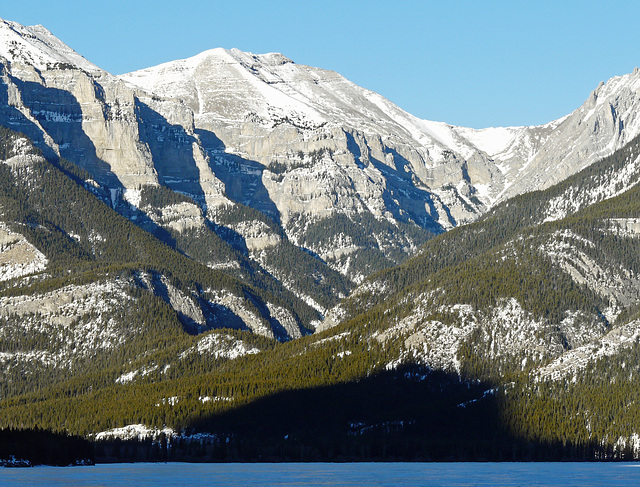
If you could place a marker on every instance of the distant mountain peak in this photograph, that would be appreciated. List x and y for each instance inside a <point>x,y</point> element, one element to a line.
<point>298,142</point>
<point>38,47</point>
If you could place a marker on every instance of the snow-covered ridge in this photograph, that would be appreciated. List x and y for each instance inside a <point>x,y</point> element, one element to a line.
<point>241,75</point>
<point>234,87</point>
<point>38,47</point>
<point>272,86</point>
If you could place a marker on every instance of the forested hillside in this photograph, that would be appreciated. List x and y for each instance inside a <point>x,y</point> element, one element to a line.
<point>520,341</point>
<point>234,257</point>
<point>84,289</point>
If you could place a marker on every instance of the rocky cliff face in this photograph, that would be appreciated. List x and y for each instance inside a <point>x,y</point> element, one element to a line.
<point>608,120</point>
<point>308,141</point>
<point>341,173</point>
<point>71,107</point>
<point>324,145</point>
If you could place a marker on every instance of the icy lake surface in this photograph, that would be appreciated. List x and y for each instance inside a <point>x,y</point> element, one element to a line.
<point>331,474</point>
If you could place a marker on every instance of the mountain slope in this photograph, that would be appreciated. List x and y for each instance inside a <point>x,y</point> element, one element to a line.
<point>303,146</point>
<point>73,110</point>
<point>607,178</point>
<point>82,287</point>
<point>266,108</point>
<point>542,316</point>
<point>516,292</point>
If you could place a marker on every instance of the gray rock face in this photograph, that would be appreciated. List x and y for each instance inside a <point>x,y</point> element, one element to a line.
<point>303,145</point>
<point>316,143</point>
<point>267,109</point>
<point>17,256</point>
<point>609,119</point>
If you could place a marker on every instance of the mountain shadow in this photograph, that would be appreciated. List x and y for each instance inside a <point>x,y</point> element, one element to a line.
<point>29,447</point>
<point>173,154</point>
<point>242,177</point>
<point>402,198</point>
<point>409,414</point>
<point>14,119</point>
<point>60,115</point>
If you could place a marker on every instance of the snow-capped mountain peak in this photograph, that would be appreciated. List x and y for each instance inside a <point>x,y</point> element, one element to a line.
<point>300,143</point>
<point>607,120</point>
<point>37,47</point>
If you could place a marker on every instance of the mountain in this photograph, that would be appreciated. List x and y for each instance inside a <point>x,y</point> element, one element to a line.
<point>338,170</point>
<point>537,300</point>
<point>231,89</point>
<point>88,116</point>
<point>521,268</point>
<point>519,342</point>
<point>82,287</point>
<point>210,252</point>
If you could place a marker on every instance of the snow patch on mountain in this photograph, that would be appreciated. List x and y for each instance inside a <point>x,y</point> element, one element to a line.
<point>607,185</point>
<point>221,346</point>
<point>575,360</point>
<point>134,432</point>
<point>132,196</point>
<point>18,257</point>
<point>130,376</point>
<point>142,432</point>
<point>624,227</point>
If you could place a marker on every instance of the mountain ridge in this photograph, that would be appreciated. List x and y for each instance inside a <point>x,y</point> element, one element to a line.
<point>493,141</point>
<point>36,45</point>
<point>340,173</point>
<point>252,242</point>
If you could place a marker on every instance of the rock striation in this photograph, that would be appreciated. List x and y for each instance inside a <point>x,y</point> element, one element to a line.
<point>340,172</point>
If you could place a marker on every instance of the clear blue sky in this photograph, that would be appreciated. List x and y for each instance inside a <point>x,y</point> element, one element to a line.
<point>472,63</point>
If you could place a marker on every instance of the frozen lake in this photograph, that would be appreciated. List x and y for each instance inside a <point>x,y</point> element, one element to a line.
<point>331,474</point>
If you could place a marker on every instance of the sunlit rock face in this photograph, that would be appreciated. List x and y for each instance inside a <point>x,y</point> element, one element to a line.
<point>306,126</point>
<point>303,145</point>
